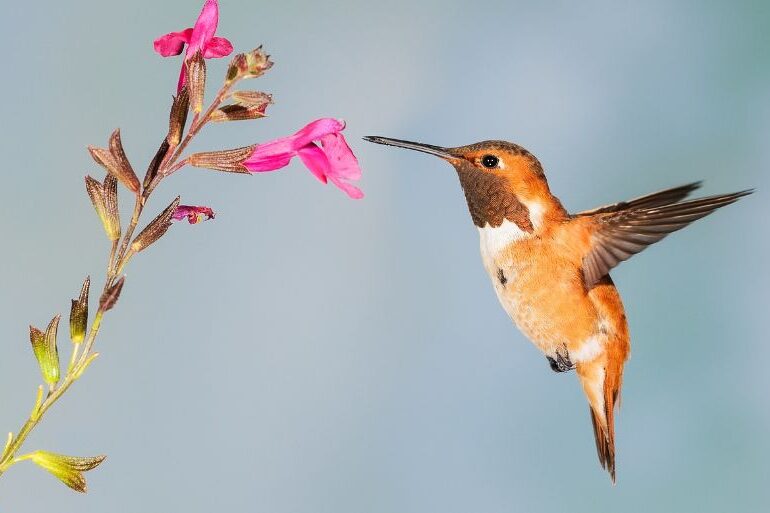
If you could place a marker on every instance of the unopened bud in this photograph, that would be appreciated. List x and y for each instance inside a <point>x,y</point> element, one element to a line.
<point>248,65</point>
<point>111,295</point>
<point>79,314</point>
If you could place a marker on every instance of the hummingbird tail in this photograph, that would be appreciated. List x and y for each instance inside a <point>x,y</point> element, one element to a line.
<point>604,432</point>
<point>602,381</point>
<point>602,377</point>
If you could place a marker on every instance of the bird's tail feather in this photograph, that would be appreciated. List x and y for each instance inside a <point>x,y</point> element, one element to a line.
<point>603,397</point>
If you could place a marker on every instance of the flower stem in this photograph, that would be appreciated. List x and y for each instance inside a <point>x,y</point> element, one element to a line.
<point>196,125</point>
<point>120,254</point>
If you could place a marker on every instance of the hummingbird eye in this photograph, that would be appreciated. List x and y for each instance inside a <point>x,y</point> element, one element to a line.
<point>489,161</point>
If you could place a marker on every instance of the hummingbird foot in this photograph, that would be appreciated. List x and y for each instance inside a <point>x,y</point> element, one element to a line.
<point>561,363</point>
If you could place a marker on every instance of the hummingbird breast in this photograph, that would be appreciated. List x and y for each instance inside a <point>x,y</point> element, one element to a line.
<point>540,286</point>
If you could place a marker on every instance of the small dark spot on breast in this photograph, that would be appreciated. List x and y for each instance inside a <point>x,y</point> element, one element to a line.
<point>501,277</point>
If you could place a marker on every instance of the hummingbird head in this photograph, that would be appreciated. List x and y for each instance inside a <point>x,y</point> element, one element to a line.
<point>501,180</point>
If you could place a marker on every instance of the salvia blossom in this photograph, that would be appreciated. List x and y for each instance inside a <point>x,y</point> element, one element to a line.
<point>193,214</point>
<point>199,38</point>
<point>332,160</point>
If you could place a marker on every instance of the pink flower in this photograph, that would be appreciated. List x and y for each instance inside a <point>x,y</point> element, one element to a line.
<point>199,38</point>
<point>332,160</point>
<point>193,215</point>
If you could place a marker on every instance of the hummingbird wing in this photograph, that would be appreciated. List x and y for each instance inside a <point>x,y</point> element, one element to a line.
<point>664,197</point>
<point>616,235</point>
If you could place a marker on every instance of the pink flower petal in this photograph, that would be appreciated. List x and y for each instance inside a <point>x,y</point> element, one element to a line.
<point>199,38</point>
<point>343,163</point>
<point>193,214</point>
<point>315,160</point>
<point>351,190</point>
<point>205,27</point>
<point>333,160</point>
<point>267,162</point>
<point>315,130</point>
<point>173,43</point>
<point>217,47</point>
<point>182,78</point>
<point>283,147</point>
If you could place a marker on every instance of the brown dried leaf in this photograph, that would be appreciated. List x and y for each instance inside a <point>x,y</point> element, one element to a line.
<point>103,157</point>
<point>230,161</point>
<point>111,295</point>
<point>124,171</point>
<point>115,167</point>
<point>96,192</point>
<point>110,192</point>
<point>252,98</point>
<point>155,229</point>
<point>152,169</point>
<point>236,113</point>
<point>178,117</point>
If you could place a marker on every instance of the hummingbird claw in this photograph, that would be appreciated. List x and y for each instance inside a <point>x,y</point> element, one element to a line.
<point>561,363</point>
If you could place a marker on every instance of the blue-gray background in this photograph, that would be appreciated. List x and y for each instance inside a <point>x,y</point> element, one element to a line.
<point>307,353</point>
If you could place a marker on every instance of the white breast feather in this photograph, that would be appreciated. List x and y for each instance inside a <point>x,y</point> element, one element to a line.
<point>495,239</point>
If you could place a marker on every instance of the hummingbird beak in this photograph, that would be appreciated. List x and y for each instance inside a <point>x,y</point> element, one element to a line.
<point>425,148</point>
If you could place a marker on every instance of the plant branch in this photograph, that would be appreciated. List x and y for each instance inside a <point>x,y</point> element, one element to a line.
<point>120,254</point>
<point>196,125</point>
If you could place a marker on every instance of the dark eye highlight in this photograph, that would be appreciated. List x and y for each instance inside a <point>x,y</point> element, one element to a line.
<point>489,161</point>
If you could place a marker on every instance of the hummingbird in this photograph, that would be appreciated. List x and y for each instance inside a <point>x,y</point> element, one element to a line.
<point>550,269</point>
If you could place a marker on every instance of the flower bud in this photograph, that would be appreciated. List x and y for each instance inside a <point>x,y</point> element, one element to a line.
<point>193,214</point>
<point>111,295</point>
<point>248,65</point>
<point>79,314</point>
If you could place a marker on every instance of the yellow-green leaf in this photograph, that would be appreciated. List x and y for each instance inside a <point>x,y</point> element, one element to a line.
<point>68,469</point>
<point>46,352</point>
